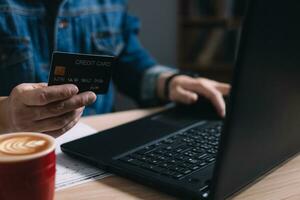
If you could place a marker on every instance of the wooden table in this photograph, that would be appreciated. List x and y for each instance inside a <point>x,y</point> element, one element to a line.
<point>282,183</point>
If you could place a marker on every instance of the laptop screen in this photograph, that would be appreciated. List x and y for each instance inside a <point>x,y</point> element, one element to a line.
<point>262,128</point>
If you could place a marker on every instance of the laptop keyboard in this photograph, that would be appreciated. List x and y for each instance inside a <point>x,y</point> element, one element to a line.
<point>179,154</point>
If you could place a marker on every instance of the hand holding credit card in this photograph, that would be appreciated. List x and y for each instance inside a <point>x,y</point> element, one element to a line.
<point>88,72</point>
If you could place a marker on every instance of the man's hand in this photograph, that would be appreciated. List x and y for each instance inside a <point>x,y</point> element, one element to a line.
<point>36,107</point>
<point>185,89</point>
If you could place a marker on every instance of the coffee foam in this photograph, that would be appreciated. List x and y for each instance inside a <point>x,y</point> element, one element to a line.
<point>23,146</point>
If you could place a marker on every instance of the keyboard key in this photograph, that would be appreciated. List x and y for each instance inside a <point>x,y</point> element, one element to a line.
<point>162,158</point>
<point>177,175</point>
<point>169,147</point>
<point>180,149</point>
<point>183,157</point>
<point>190,153</point>
<point>193,161</point>
<point>171,154</point>
<point>202,164</point>
<point>153,155</point>
<point>194,167</point>
<point>212,151</point>
<point>202,156</point>
<point>198,150</point>
<point>172,161</point>
<point>187,171</point>
<point>210,160</point>
<point>160,151</point>
<point>165,165</point>
<point>176,168</point>
<point>144,158</point>
<point>184,165</point>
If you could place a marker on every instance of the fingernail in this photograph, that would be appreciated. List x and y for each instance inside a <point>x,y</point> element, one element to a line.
<point>92,96</point>
<point>74,89</point>
<point>195,97</point>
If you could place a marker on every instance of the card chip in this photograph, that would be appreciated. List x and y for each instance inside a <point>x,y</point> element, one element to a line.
<point>60,71</point>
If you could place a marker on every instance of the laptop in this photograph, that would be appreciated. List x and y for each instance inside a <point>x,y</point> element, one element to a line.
<point>191,153</point>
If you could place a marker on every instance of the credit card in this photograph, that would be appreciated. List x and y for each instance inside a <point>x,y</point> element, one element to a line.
<point>88,72</point>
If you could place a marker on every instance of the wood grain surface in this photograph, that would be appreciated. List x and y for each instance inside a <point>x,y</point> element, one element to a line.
<point>282,183</point>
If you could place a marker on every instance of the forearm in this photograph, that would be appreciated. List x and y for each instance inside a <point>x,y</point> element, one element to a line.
<point>152,86</point>
<point>3,107</point>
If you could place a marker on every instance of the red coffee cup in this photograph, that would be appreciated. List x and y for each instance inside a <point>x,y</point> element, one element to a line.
<point>27,166</point>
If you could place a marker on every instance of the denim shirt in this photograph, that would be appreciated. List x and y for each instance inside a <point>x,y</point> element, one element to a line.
<point>81,26</point>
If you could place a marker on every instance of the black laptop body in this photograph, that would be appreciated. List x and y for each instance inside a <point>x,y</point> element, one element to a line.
<point>261,129</point>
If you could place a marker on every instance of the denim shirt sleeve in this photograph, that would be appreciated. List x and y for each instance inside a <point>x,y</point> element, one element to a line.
<point>133,63</point>
<point>149,84</point>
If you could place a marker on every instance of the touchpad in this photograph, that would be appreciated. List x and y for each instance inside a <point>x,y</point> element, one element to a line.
<point>171,120</point>
<point>175,118</point>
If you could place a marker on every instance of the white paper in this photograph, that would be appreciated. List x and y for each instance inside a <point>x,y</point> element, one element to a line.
<point>70,172</point>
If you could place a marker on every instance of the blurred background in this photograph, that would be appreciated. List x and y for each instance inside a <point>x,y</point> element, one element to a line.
<point>198,35</point>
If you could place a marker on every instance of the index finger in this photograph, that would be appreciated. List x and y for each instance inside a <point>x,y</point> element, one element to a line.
<point>45,95</point>
<point>211,93</point>
<point>216,99</point>
<point>224,88</point>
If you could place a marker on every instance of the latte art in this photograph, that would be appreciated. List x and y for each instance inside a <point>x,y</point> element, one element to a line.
<point>22,145</point>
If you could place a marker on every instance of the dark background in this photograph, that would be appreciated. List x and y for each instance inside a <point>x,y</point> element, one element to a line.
<point>198,35</point>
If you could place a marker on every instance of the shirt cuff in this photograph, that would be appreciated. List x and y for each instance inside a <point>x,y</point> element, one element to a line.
<point>149,84</point>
